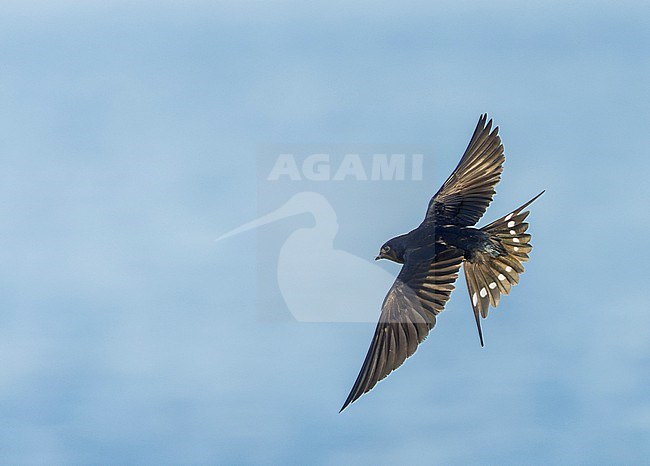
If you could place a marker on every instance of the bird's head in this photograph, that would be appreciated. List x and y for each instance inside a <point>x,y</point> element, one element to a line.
<point>392,250</point>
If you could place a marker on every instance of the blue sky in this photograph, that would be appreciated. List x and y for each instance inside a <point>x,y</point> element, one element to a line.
<point>129,142</point>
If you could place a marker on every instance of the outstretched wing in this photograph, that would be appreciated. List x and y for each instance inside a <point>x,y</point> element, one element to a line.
<point>467,193</point>
<point>419,293</point>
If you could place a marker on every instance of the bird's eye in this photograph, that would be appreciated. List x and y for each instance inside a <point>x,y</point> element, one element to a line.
<point>386,248</point>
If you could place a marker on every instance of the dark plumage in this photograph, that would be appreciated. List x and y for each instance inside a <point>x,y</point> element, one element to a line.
<point>433,253</point>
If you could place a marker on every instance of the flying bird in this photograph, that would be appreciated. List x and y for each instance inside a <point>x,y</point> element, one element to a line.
<point>492,258</point>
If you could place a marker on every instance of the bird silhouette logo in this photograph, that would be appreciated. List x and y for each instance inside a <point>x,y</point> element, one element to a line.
<point>309,265</point>
<point>492,258</point>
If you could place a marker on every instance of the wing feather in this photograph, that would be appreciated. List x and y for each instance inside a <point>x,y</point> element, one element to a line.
<point>467,193</point>
<point>419,293</point>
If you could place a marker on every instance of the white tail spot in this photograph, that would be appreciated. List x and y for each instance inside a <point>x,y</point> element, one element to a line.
<point>508,268</point>
<point>474,299</point>
<point>513,232</point>
<point>516,240</point>
<point>492,285</point>
<point>483,292</point>
<point>511,223</point>
<point>516,248</point>
<point>509,216</point>
<point>501,277</point>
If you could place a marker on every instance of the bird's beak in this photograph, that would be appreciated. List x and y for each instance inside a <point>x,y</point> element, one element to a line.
<point>377,258</point>
<point>283,212</point>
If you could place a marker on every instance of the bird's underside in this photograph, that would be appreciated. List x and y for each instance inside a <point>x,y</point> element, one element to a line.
<point>433,253</point>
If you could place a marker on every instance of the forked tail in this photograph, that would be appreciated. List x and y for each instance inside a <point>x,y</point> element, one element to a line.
<point>489,276</point>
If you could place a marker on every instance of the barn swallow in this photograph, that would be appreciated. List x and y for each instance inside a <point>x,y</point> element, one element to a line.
<point>432,254</point>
